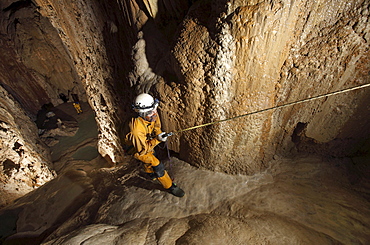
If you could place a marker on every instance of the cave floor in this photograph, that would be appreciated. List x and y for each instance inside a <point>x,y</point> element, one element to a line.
<point>299,200</point>
<point>80,150</point>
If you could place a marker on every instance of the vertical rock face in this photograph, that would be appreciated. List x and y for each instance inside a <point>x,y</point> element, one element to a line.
<point>246,56</point>
<point>24,161</point>
<point>36,66</point>
<point>34,69</point>
<point>91,33</point>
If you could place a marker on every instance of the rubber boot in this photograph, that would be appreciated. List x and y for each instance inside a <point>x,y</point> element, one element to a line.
<point>176,191</point>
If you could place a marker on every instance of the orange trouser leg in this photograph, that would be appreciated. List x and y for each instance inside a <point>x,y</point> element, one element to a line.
<point>149,161</point>
<point>165,180</point>
<point>148,168</point>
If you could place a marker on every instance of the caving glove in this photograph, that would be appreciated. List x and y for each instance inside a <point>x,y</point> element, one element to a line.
<point>162,137</point>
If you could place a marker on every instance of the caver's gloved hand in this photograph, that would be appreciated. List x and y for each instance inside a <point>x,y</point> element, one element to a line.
<point>163,136</point>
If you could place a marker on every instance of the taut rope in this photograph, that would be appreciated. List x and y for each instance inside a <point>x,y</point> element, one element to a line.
<point>275,107</point>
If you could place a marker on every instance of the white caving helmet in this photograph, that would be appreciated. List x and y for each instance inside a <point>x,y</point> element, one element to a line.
<point>145,103</point>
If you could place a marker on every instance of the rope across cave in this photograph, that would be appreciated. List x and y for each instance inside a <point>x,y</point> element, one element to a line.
<point>275,107</point>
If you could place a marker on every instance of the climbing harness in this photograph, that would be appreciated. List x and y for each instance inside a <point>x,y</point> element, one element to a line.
<point>272,108</point>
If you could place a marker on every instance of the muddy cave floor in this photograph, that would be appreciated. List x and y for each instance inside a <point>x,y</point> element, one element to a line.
<point>301,200</point>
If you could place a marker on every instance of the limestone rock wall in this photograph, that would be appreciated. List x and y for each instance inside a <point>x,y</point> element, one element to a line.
<point>34,69</point>
<point>35,65</point>
<point>88,31</point>
<point>331,53</point>
<point>243,56</point>
<point>24,161</point>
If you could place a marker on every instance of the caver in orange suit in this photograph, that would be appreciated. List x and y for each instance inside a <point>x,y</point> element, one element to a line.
<point>145,134</point>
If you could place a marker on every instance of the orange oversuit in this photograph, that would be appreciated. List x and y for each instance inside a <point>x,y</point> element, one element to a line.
<point>143,138</point>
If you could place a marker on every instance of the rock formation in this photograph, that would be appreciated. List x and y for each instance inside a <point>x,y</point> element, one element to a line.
<point>25,161</point>
<point>246,56</point>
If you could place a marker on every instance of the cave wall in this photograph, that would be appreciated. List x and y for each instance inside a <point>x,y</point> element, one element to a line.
<point>36,67</point>
<point>88,31</point>
<point>244,56</point>
<point>25,161</point>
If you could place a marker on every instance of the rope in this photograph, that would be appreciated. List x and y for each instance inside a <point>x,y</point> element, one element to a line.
<point>170,160</point>
<point>275,107</point>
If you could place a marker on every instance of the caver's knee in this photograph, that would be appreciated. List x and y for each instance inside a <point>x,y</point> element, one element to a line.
<point>147,158</point>
<point>159,169</point>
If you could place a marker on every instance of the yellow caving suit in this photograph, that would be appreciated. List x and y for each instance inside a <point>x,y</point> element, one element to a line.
<point>143,138</point>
